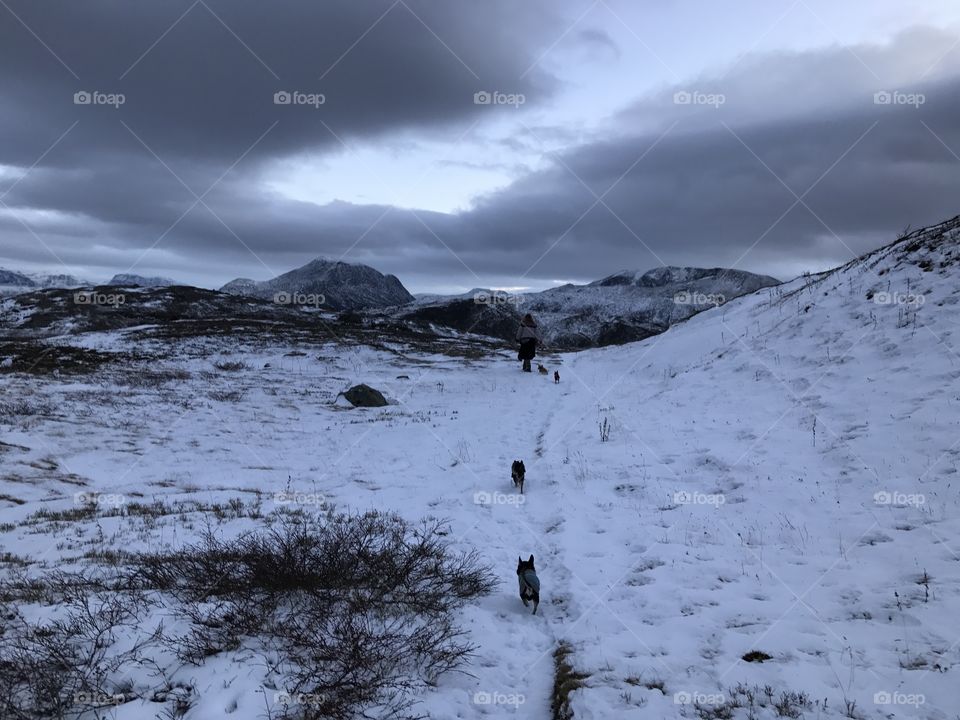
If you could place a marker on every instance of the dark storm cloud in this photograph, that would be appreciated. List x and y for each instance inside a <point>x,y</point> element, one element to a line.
<point>731,194</point>
<point>199,77</point>
<point>198,81</point>
<point>681,183</point>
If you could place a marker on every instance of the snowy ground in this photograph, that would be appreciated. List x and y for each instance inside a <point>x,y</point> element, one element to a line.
<point>779,477</point>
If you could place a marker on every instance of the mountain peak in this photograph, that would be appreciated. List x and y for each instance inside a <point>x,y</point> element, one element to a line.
<point>332,284</point>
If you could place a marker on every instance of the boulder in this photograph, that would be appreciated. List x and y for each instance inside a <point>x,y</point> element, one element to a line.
<point>365,396</point>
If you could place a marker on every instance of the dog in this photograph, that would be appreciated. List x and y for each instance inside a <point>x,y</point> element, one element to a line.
<point>556,376</point>
<point>541,369</point>
<point>529,583</point>
<point>518,472</point>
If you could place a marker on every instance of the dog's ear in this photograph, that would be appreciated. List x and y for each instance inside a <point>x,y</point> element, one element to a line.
<point>531,560</point>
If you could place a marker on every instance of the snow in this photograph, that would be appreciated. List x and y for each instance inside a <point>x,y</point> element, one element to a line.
<point>779,477</point>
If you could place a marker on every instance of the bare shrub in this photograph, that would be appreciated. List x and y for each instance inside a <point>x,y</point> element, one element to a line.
<point>230,365</point>
<point>22,407</point>
<point>68,661</point>
<point>351,614</point>
<point>357,611</point>
<point>226,395</point>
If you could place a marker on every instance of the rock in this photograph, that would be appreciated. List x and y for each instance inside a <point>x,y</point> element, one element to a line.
<point>365,396</point>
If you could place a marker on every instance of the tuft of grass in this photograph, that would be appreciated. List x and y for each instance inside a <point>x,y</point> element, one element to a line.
<point>757,656</point>
<point>651,684</point>
<point>565,681</point>
<point>230,365</point>
<point>226,395</point>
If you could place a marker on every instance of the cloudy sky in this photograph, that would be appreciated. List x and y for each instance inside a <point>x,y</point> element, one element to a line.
<point>461,144</point>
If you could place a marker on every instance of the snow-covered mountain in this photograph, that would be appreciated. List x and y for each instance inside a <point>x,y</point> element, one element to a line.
<point>133,280</point>
<point>10,278</point>
<point>56,280</point>
<point>620,308</point>
<point>13,283</point>
<point>327,283</point>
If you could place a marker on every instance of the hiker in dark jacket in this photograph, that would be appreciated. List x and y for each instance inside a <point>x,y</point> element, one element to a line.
<point>528,336</point>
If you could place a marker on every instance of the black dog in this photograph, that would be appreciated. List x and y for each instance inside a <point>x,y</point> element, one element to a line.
<point>556,376</point>
<point>518,472</point>
<point>529,583</point>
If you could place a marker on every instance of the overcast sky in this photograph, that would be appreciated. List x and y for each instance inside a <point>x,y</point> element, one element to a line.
<point>774,136</point>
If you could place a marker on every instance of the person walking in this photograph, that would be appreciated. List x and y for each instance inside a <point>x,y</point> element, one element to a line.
<point>528,335</point>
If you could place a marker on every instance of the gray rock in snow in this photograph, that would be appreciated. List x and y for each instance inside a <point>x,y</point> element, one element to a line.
<point>365,396</point>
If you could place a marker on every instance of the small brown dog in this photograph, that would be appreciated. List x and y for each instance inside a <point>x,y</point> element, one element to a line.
<point>541,369</point>
<point>556,376</point>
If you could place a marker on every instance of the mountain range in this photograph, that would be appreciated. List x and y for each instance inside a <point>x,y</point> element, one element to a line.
<point>619,308</point>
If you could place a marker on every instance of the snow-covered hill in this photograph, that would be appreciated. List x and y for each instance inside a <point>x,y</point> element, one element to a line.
<point>753,514</point>
<point>326,283</point>
<point>131,280</point>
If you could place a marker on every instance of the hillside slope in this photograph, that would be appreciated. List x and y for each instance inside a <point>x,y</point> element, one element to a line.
<point>772,479</point>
